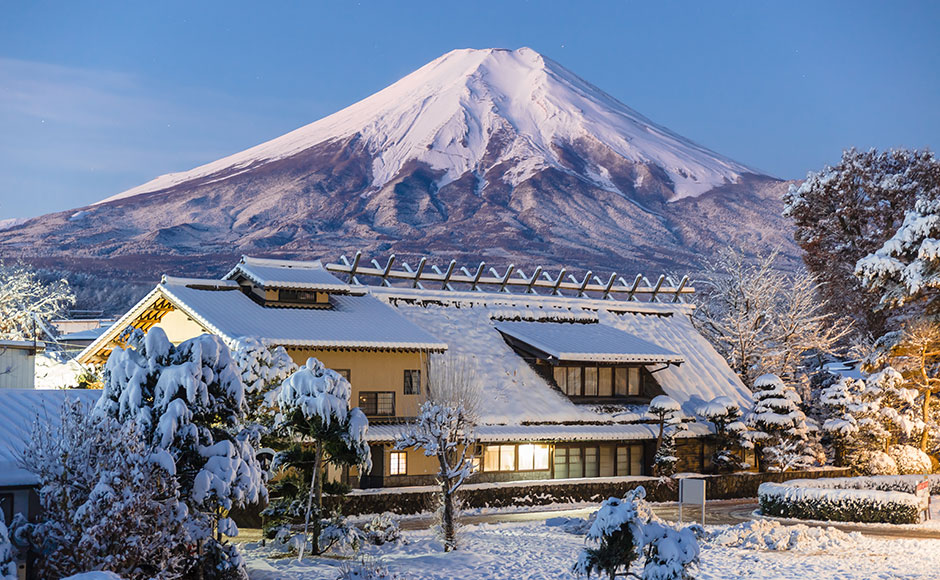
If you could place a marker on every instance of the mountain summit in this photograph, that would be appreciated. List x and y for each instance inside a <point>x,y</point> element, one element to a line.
<point>471,111</point>
<point>493,154</point>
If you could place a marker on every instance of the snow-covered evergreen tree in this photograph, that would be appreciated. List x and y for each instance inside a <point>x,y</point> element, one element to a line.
<point>725,415</point>
<point>313,405</point>
<point>444,430</point>
<point>189,400</point>
<point>109,498</point>
<point>263,368</point>
<point>778,426</point>
<point>624,530</point>
<point>668,415</point>
<point>7,554</point>
<point>845,412</point>
<point>847,211</point>
<point>27,303</point>
<point>907,267</point>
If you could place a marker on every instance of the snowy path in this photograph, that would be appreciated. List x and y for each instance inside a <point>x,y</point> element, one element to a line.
<point>534,550</point>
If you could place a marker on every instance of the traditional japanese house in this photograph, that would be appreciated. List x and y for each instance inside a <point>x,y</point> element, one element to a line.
<point>566,368</point>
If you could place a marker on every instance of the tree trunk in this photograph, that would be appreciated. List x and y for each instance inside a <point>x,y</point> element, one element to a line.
<point>447,515</point>
<point>925,436</point>
<point>316,489</point>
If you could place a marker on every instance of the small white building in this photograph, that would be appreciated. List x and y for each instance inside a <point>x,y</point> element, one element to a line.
<point>18,363</point>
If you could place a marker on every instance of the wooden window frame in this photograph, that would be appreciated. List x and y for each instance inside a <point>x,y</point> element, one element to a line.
<point>597,446</point>
<point>345,373</point>
<point>628,370</point>
<point>408,384</point>
<point>376,394</point>
<point>396,460</point>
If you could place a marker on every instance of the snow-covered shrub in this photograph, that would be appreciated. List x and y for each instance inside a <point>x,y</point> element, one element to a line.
<point>770,535</point>
<point>809,500</point>
<point>878,463</point>
<point>778,426</point>
<point>382,529</point>
<point>338,534</point>
<point>367,569</point>
<point>624,531</point>
<point>910,460</point>
<point>110,500</point>
<point>96,575</point>
<point>189,402</point>
<point>7,554</point>
<point>313,405</point>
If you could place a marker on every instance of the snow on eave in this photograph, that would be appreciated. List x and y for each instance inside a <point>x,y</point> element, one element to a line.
<point>551,432</point>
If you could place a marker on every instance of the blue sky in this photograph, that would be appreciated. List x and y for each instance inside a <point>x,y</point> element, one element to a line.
<point>98,97</point>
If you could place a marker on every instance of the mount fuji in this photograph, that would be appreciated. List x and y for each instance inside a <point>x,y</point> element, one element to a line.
<point>502,155</point>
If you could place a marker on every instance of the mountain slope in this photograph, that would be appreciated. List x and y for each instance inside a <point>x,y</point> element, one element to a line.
<point>496,154</point>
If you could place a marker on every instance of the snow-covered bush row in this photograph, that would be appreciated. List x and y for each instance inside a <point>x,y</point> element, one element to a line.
<point>770,535</point>
<point>836,504</point>
<point>901,483</point>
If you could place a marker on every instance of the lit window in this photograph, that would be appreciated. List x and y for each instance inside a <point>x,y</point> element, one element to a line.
<point>634,381</point>
<point>533,457</point>
<point>499,458</point>
<point>590,381</point>
<point>412,382</point>
<point>397,463</point>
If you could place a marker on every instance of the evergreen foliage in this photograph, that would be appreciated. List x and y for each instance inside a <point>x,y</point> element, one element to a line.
<point>778,426</point>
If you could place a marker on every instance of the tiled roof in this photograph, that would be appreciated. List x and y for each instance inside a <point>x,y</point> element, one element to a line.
<point>18,409</point>
<point>578,342</point>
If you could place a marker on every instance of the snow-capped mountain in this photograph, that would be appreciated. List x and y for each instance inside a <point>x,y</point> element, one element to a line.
<point>498,154</point>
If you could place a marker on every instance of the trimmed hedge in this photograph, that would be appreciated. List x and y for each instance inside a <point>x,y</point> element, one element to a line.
<point>888,500</point>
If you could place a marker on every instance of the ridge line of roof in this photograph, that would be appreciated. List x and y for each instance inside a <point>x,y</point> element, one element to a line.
<point>659,308</point>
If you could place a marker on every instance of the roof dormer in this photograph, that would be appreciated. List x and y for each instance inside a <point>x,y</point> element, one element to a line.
<point>287,283</point>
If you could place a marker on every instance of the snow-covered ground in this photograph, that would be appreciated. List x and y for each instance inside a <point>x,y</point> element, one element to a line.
<point>518,551</point>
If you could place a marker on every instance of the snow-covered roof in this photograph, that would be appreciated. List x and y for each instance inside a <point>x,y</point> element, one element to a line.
<point>516,433</point>
<point>572,341</point>
<point>352,322</point>
<point>18,409</point>
<point>288,274</point>
<point>515,393</point>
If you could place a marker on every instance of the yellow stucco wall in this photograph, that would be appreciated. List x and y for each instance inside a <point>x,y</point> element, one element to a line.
<point>179,327</point>
<point>374,371</point>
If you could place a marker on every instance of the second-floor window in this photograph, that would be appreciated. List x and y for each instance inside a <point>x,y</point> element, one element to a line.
<point>412,382</point>
<point>593,381</point>
<point>377,403</point>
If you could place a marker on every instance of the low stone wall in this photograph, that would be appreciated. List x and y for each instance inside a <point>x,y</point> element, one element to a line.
<point>422,499</point>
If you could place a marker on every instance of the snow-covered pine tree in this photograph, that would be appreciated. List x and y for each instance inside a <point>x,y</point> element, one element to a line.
<point>263,368</point>
<point>624,530</point>
<point>110,500</point>
<point>847,211</point>
<point>778,426</point>
<point>725,415</point>
<point>845,410</point>
<point>7,555</point>
<point>668,414</point>
<point>313,405</point>
<point>189,401</point>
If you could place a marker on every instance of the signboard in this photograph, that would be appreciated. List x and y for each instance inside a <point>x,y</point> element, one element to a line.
<point>692,491</point>
<point>923,492</point>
